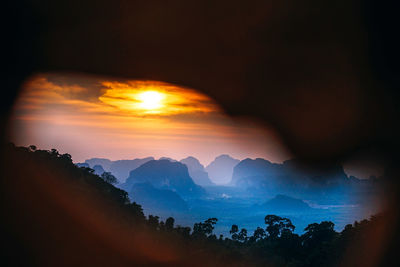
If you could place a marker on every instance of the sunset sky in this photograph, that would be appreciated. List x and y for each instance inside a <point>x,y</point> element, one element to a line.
<point>88,116</point>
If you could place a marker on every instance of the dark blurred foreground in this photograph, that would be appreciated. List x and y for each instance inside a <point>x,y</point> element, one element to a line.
<point>325,75</point>
<point>72,211</point>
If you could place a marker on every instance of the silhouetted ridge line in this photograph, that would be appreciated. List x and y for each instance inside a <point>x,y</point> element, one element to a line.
<point>275,245</point>
<point>164,174</point>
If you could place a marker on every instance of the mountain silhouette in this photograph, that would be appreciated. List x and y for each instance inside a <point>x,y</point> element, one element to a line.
<point>119,168</point>
<point>99,161</point>
<point>168,158</point>
<point>98,169</point>
<point>159,201</point>
<point>82,165</point>
<point>221,168</point>
<point>164,174</point>
<point>197,171</point>
<point>291,175</point>
<point>255,172</point>
<point>331,174</point>
<point>284,203</point>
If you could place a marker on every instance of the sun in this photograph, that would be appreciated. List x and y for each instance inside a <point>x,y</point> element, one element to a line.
<point>150,100</point>
<point>153,98</point>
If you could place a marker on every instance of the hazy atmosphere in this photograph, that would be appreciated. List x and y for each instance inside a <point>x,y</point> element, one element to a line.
<point>176,153</point>
<point>96,117</point>
<point>200,133</point>
<point>122,119</point>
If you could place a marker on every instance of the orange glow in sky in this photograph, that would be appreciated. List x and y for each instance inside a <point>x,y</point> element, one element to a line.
<point>150,97</point>
<point>88,116</point>
<point>151,100</point>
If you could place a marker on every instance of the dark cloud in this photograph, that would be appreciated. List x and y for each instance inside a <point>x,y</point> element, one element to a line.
<point>90,84</point>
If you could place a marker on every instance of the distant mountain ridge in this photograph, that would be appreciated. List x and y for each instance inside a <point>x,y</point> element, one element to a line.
<point>220,170</point>
<point>82,165</point>
<point>290,175</point>
<point>164,174</point>
<point>119,168</point>
<point>168,158</point>
<point>255,172</point>
<point>258,177</point>
<point>197,171</point>
<point>99,161</point>
<point>285,203</point>
<point>98,169</point>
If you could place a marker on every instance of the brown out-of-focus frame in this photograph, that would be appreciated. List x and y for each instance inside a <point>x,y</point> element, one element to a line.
<point>324,74</point>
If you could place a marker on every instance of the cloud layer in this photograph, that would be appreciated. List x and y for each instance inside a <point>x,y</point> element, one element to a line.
<point>93,116</point>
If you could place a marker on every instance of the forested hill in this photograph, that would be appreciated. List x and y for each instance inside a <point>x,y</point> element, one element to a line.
<point>53,208</point>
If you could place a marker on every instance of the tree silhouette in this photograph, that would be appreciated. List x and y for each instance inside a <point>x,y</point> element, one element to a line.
<point>153,221</point>
<point>320,245</point>
<point>183,231</point>
<point>258,234</point>
<point>276,225</point>
<point>109,178</point>
<point>242,236</point>
<point>135,211</point>
<point>234,230</point>
<point>169,223</point>
<point>317,242</point>
<point>204,229</point>
<point>318,233</point>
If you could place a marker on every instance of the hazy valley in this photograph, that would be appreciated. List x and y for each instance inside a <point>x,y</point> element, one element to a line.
<point>191,192</point>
